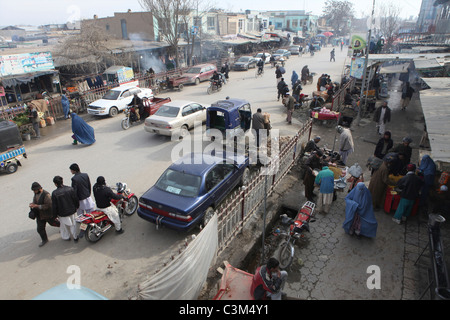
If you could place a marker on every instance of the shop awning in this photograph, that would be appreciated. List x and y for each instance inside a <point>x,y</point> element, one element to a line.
<point>398,68</point>
<point>11,81</point>
<point>436,110</point>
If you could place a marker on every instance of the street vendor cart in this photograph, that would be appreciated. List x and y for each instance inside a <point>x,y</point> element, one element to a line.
<point>12,149</point>
<point>325,117</point>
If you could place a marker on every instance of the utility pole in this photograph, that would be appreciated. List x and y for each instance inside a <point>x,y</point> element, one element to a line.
<point>366,60</point>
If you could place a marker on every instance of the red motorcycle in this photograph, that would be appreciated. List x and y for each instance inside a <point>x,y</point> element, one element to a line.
<point>96,223</point>
<point>292,230</point>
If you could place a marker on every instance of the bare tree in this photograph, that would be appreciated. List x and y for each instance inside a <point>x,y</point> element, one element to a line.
<point>168,14</point>
<point>198,12</point>
<point>338,14</point>
<point>389,23</point>
<point>89,47</point>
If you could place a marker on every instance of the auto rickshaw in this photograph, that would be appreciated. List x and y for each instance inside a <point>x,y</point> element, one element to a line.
<point>231,117</point>
<point>12,149</point>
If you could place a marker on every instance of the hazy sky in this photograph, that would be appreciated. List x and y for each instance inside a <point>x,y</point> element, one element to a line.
<point>32,12</point>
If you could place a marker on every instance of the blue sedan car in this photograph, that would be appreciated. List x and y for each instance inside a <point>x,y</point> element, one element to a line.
<point>189,190</point>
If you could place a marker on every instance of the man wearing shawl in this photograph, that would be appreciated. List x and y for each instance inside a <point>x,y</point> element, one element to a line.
<point>82,132</point>
<point>359,216</point>
<point>378,184</point>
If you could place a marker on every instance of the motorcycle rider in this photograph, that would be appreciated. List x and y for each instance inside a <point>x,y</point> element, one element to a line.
<point>103,196</point>
<point>260,65</point>
<point>217,79</point>
<point>139,111</point>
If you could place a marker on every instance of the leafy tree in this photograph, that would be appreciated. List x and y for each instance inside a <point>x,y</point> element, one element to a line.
<point>338,14</point>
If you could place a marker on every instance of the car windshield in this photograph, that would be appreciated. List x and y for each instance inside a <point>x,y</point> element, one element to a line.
<point>259,55</point>
<point>293,48</point>
<point>193,70</point>
<point>179,183</point>
<point>244,59</point>
<point>279,51</point>
<point>167,111</point>
<point>111,95</point>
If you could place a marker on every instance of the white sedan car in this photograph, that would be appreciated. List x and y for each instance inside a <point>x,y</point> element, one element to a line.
<point>176,118</point>
<point>259,56</point>
<point>117,99</point>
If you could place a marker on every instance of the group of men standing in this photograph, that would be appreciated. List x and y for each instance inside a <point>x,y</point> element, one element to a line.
<point>65,203</point>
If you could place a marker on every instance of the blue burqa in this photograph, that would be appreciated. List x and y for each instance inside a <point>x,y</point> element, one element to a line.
<point>359,215</point>
<point>66,106</point>
<point>294,78</point>
<point>82,132</point>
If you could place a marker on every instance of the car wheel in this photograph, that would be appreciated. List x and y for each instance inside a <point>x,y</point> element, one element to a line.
<point>11,168</point>
<point>245,179</point>
<point>197,81</point>
<point>184,131</point>
<point>209,213</point>
<point>113,112</point>
<point>180,87</point>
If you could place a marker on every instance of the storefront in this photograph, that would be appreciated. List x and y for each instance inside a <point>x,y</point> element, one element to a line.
<point>24,76</point>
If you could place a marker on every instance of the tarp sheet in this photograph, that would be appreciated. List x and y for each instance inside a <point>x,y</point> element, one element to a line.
<point>184,277</point>
<point>25,78</point>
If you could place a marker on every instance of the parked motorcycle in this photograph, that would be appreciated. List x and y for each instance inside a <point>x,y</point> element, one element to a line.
<point>292,230</point>
<point>214,86</point>
<point>95,224</point>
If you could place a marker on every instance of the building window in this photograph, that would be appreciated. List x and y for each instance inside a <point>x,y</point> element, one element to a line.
<point>241,24</point>
<point>211,22</point>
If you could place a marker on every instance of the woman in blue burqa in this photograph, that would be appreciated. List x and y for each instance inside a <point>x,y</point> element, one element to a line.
<point>82,132</point>
<point>359,216</point>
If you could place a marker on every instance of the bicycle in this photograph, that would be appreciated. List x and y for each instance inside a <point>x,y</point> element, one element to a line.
<point>259,72</point>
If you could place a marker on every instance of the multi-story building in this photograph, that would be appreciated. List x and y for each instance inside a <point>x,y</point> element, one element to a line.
<point>126,26</point>
<point>294,21</point>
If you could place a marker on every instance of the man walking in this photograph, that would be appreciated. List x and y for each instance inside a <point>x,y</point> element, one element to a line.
<point>42,207</point>
<point>281,87</point>
<point>382,116</point>
<point>407,93</point>
<point>332,55</point>
<point>82,186</point>
<point>278,75</point>
<point>65,204</point>
<point>258,124</point>
<point>410,186</point>
<point>290,104</point>
<point>346,145</point>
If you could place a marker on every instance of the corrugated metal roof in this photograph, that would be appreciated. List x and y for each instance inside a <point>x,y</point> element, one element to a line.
<point>436,109</point>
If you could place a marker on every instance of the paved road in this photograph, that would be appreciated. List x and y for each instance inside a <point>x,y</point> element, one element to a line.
<point>114,266</point>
